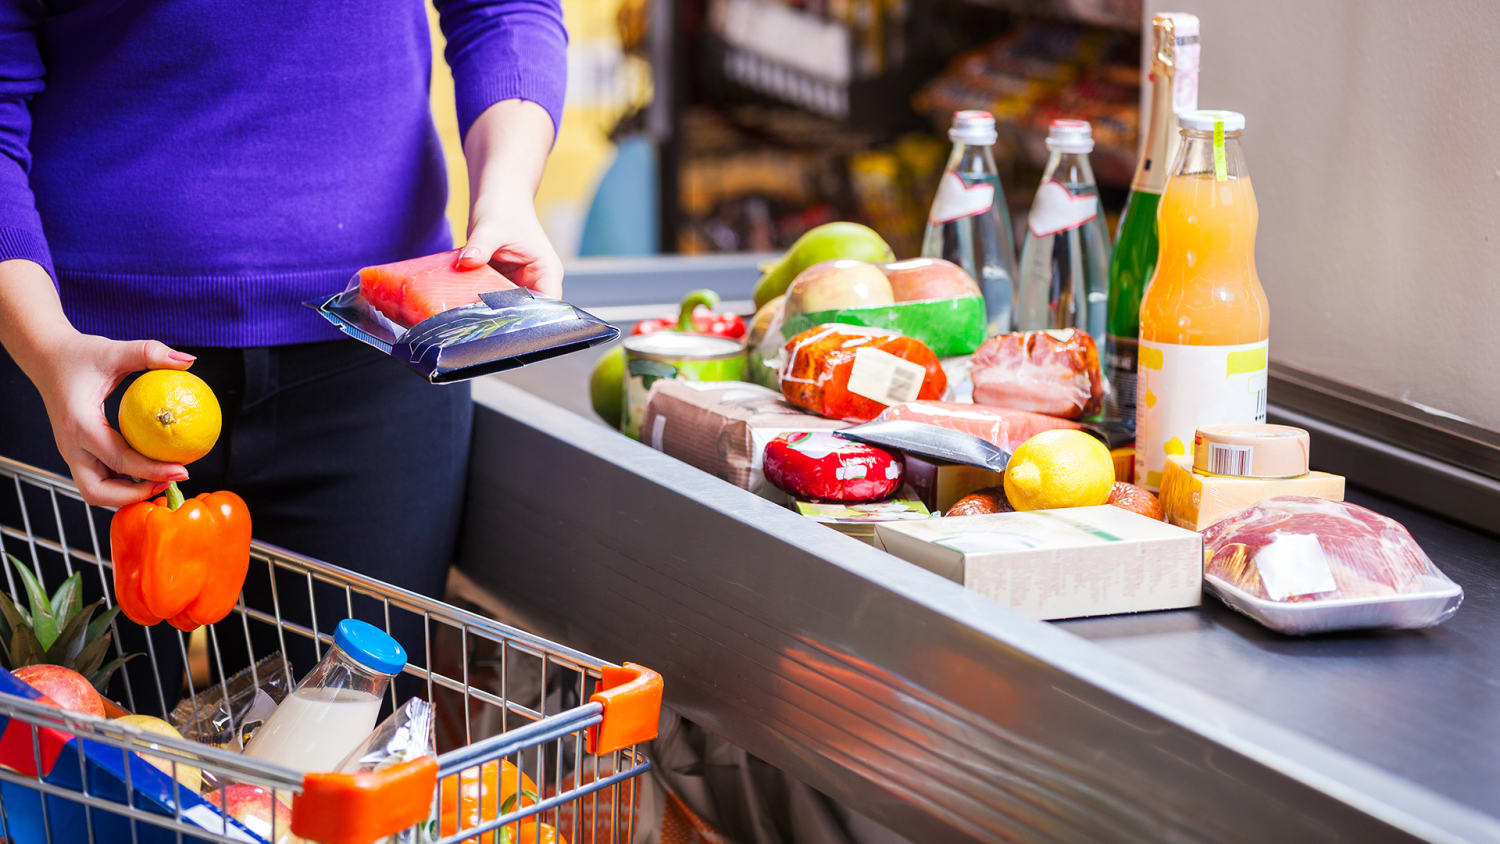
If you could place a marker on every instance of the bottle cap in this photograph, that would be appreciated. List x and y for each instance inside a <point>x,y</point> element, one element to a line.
<point>1070,136</point>
<point>973,127</point>
<point>1251,450</point>
<point>370,646</point>
<point>1203,120</point>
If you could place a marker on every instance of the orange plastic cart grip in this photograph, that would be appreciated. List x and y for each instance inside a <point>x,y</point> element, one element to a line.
<point>631,697</point>
<point>360,808</point>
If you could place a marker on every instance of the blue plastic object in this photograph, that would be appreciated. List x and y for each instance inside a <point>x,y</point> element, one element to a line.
<point>370,646</point>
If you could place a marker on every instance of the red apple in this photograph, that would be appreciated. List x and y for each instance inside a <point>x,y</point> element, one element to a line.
<point>66,687</point>
<point>251,806</point>
<point>920,279</point>
<point>840,283</point>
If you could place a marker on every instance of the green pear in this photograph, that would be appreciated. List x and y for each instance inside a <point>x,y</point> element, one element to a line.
<point>823,243</point>
<point>607,386</point>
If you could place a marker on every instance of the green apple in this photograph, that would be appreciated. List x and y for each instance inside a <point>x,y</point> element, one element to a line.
<point>823,243</point>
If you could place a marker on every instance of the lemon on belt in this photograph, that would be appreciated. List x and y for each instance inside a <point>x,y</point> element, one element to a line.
<point>1059,468</point>
<point>170,415</point>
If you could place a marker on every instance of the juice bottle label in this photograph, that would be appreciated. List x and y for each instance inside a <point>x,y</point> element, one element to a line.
<point>1180,387</point>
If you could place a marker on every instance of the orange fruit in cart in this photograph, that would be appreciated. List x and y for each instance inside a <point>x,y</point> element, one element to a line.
<point>170,415</point>
<point>475,795</point>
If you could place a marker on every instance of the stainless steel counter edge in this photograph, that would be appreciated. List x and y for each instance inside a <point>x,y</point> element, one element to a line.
<point>920,704</point>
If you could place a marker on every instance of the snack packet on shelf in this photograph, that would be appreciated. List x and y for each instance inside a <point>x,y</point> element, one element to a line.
<point>1055,372</point>
<point>853,373</point>
<point>1303,565</point>
<point>449,324</point>
<point>254,693</point>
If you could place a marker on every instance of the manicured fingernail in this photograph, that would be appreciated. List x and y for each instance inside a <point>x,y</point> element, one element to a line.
<point>159,488</point>
<point>180,475</point>
<point>469,253</point>
<point>181,357</point>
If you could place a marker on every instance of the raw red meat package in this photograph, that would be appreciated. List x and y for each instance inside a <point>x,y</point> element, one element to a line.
<point>1305,565</point>
<point>818,466</point>
<point>1051,372</point>
<point>852,373</point>
<point>1005,428</point>
<point>407,292</point>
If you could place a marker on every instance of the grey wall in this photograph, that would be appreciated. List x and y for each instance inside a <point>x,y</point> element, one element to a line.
<point>1372,138</point>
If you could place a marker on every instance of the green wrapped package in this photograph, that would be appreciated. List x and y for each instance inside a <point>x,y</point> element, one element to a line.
<point>947,326</point>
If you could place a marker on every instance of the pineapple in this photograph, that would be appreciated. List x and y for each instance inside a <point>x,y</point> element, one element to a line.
<point>57,630</point>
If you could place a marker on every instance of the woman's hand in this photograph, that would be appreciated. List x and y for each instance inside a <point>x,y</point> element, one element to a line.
<point>506,149</point>
<point>75,373</point>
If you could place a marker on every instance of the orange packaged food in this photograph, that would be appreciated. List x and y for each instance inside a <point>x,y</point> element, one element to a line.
<point>852,373</point>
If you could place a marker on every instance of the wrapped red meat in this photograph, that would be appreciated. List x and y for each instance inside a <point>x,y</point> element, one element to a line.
<point>1294,548</point>
<point>1051,372</point>
<point>1005,428</point>
<point>410,291</point>
<point>818,466</point>
<point>852,373</point>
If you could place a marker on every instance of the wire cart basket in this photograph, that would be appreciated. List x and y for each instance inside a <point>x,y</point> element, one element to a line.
<point>560,766</point>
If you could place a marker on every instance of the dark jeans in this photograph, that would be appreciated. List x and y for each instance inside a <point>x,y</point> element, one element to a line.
<point>341,453</point>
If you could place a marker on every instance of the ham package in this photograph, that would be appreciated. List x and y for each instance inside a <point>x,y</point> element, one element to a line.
<point>1051,372</point>
<point>1005,428</point>
<point>853,373</point>
<point>1308,565</point>
<point>817,466</point>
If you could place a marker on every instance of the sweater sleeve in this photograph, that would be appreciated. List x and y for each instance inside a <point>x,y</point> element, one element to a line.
<point>503,50</point>
<point>21,72</point>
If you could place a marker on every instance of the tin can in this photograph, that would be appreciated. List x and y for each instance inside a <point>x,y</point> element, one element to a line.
<point>674,354</point>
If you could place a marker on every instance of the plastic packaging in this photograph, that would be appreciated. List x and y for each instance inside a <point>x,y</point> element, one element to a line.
<point>1051,372</point>
<point>406,735</point>
<point>981,502</point>
<point>817,466</point>
<point>333,709</point>
<point>947,326</point>
<point>210,718</point>
<point>444,324</point>
<point>1307,565</point>
<point>931,441</point>
<point>1004,428</point>
<point>853,373</point>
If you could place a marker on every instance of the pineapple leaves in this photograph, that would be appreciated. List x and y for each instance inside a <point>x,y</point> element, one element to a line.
<point>43,621</point>
<point>100,678</point>
<point>100,626</point>
<point>70,640</point>
<point>68,599</point>
<point>24,648</point>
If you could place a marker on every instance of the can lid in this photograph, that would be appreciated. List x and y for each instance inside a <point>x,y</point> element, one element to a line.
<point>681,344</point>
<point>1065,135</point>
<point>1251,450</point>
<point>1203,119</point>
<point>370,646</point>
<point>972,126</point>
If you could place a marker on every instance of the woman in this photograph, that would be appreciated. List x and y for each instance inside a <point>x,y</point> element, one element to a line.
<point>178,177</point>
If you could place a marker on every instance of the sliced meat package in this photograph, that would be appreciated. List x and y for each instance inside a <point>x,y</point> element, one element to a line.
<point>853,373</point>
<point>1004,428</point>
<point>817,466</point>
<point>1308,565</point>
<point>1051,372</point>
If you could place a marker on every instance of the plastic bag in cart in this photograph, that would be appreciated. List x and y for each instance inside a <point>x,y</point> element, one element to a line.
<point>1308,565</point>
<point>451,325</point>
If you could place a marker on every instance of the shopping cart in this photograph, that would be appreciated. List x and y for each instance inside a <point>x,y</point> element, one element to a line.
<point>86,784</point>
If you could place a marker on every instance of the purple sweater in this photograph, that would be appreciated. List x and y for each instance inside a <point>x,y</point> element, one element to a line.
<point>193,170</point>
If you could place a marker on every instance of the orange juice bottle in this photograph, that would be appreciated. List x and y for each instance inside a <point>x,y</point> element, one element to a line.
<point>1205,322</point>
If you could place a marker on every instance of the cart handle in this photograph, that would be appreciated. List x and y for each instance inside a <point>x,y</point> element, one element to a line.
<point>361,808</point>
<point>631,697</point>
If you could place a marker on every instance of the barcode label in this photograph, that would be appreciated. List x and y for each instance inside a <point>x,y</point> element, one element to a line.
<point>1260,405</point>
<point>1229,459</point>
<point>885,378</point>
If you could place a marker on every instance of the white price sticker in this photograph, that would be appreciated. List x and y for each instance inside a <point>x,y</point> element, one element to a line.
<point>883,377</point>
<point>1294,564</point>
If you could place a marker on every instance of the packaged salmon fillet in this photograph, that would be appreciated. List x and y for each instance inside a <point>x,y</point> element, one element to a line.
<point>852,373</point>
<point>451,324</point>
<point>1006,429</point>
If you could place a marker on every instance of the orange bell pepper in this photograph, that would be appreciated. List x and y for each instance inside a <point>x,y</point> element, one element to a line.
<point>180,560</point>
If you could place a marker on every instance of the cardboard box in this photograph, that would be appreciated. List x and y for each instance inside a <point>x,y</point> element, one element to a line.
<point>722,427</point>
<point>858,520</point>
<point>939,484</point>
<point>1053,564</point>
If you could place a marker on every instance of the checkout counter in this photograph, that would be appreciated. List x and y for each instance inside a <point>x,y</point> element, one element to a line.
<point>939,713</point>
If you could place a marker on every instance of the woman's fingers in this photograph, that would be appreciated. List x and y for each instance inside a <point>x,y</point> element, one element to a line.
<point>106,445</point>
<point>525,257</point>
<point>102,489</point>
<point>148,354</point>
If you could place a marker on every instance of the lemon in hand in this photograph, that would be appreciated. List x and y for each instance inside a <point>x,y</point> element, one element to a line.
<point>1061,468</point>
<point>170,415</point>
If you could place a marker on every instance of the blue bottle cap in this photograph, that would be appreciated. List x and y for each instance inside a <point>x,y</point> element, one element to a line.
<point>370,646</point>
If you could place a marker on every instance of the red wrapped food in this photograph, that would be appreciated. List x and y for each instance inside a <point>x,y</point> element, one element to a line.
<point>1051,372</point>
<point>818,466</point>
<point>1005,428</point>
<point>852,373</point>
<point>407,292</point>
